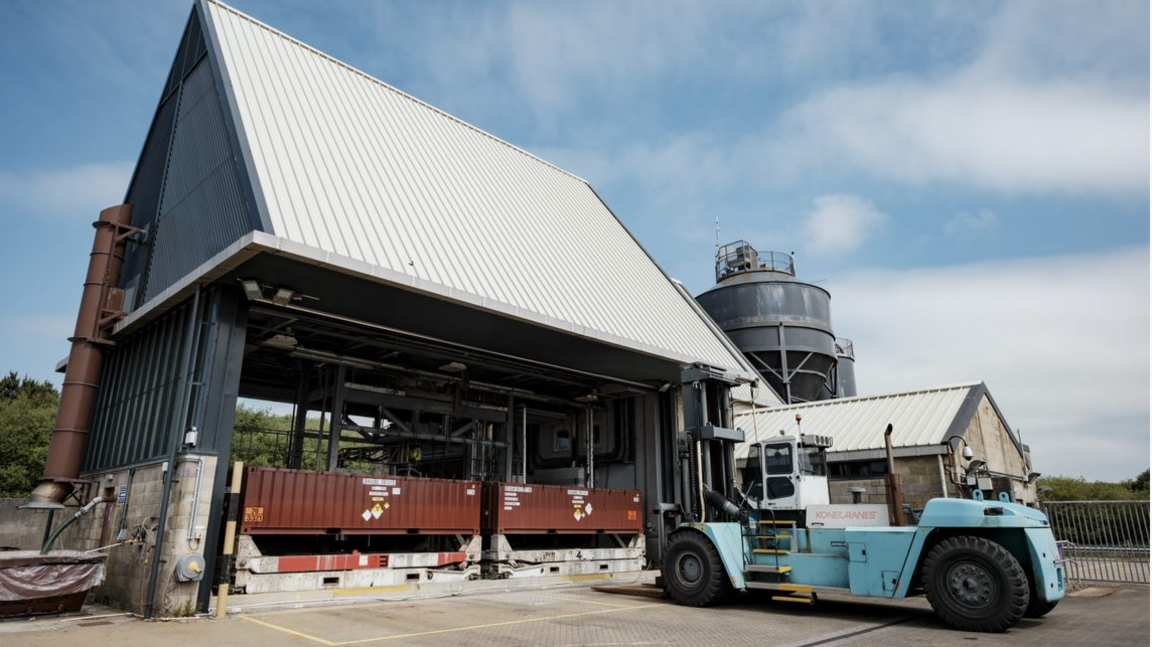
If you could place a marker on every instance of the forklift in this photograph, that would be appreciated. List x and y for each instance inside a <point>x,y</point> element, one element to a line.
<point>982,564</point>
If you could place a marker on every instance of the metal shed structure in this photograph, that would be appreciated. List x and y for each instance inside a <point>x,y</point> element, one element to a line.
<point>303,233</point>
<point>931,429</point>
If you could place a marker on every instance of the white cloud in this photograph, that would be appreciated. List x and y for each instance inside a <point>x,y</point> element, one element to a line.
<point>1052,102</point>
<point>839,224</point>
<point>78,191</point>
<point>965,224</point>
<point>1061,341</point>
<point>1054,137</point>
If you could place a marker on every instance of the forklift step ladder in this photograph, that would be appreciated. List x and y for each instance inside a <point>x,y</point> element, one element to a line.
<point>775,538</point>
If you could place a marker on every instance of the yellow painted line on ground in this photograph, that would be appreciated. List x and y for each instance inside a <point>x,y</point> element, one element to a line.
<point>434,632</point>
<point>496,624</point>
<point>373,589</point>
<point>585,578</point>
<point>607,604</point>
<point>286,630</point>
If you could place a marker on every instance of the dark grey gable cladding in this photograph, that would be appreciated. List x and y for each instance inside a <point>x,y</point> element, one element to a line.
<point>191,193</point>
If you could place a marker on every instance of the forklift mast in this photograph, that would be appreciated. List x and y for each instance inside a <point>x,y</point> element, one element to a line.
<point>707,445</point>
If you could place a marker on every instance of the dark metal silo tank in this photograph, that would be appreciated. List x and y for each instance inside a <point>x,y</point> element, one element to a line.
<point>845,368</point>
<point>783,325</point>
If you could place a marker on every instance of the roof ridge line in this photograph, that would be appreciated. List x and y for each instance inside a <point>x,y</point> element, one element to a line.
<point>878,396</point>
<point>392,88</point>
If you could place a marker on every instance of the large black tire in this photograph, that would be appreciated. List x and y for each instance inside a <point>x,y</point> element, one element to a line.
<point>693,574</point>
<point>975,584</point>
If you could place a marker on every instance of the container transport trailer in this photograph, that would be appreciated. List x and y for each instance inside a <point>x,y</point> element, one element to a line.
<point>534,530</point>
<point>303,530</point>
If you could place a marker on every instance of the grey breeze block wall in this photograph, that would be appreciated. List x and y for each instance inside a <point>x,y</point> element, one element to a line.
<point>128,566</point>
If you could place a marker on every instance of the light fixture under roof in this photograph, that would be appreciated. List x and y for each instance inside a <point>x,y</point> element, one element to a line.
<point>283,296</point>
<point>252,289</point>
<point>454,367</point>
<point>281,341</point>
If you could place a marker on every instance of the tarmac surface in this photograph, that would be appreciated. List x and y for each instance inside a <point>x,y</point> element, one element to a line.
<point>583,615</point>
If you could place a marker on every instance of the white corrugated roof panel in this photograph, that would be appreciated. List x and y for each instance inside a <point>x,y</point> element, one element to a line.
<point>356,168</point>
<point>918,418</point>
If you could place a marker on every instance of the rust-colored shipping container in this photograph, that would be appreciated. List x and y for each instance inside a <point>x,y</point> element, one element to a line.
<point>514,508</point>
<point>280,501</point>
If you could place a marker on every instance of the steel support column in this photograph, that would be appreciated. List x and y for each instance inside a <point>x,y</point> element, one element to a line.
<point>336,419</point>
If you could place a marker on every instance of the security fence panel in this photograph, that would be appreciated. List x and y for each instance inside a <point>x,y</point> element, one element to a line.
<point>1103,541</point>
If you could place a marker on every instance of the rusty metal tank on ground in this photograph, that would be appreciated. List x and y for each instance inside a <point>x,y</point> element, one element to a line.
<point>783,325</point>
<point>513,508</point>
<point>283,501</point>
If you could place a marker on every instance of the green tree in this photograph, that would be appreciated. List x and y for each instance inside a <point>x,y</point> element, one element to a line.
<point>1141,482</point>
<point>1066,488</point>
<point>27,412</point>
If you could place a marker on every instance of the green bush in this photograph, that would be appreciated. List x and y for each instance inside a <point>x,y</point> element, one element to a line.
<point>27,413</point>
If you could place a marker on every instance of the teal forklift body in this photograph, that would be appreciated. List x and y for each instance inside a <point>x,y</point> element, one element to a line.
<point>728,539</point>
<point>882,561</point>
<point>1022,530</point>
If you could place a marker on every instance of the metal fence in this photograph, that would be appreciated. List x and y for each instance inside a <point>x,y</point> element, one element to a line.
<point>1103,541</point>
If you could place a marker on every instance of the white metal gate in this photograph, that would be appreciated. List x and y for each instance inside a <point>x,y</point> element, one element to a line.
<point>1103,541</point>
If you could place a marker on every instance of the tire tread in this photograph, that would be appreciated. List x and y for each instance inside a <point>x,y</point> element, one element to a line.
<point>715,590</point>
<point>1014,584</point>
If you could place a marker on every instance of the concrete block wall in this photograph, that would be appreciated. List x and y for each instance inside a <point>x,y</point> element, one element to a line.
<point>129,566</point>
<point>921,477</point>
<point>22,529</point>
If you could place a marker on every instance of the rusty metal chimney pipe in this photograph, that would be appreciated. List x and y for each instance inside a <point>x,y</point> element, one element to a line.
<point>893,484</point>
<point>101,305</point>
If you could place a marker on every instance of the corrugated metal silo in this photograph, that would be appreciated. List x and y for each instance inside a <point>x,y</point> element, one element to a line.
<point>845,368</point>
<point>783,325</point>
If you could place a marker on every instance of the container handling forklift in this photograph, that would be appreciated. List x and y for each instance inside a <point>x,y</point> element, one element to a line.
<point>982,564</point>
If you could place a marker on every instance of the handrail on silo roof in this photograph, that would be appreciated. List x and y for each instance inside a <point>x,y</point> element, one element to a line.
<point>844,348</point>
<point>740,256</point>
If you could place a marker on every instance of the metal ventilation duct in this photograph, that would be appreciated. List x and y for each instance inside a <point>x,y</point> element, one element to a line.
<point>101,305</point>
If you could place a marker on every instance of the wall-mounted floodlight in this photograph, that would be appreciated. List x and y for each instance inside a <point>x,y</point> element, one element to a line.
<point>283,296</point>
<point>252,290</point>
<point>1032,476</point>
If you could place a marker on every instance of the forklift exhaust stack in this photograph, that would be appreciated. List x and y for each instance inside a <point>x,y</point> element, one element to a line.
<point>893,484</point>
<point>101,306</point>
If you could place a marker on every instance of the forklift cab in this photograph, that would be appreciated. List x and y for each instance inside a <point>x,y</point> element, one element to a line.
<point>787,473</point>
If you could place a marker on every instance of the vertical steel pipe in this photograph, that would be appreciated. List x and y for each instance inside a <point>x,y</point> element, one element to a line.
<point>100,307</point>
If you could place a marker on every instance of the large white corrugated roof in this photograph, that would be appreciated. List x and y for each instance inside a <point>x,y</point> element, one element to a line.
<point>918,418</point>
<point>357,169</point>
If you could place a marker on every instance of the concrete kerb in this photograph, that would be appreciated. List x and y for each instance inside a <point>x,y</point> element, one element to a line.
<point>262,602</point>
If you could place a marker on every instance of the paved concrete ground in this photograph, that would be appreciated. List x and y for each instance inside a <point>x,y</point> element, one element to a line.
<point>573,616</point>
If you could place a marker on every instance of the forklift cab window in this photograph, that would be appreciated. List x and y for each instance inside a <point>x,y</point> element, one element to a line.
<point>812,462</point>
<point>753,478</point>
<point>778,459</point>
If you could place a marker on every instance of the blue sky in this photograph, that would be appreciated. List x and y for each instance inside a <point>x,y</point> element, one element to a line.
<point>969,180</point>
